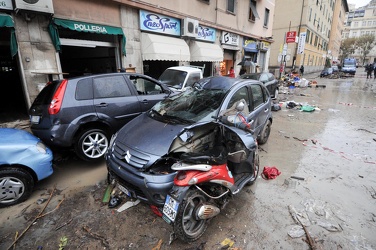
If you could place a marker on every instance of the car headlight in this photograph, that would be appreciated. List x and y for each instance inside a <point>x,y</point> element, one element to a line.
<point>41,147</point>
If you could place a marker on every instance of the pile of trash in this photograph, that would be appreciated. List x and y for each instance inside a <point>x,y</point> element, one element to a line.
<point>295,105</point>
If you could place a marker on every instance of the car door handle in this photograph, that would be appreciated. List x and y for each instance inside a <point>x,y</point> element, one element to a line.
<point>145,101</point>
<point>102,105</point>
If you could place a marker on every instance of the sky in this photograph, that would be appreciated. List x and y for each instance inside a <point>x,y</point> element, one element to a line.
<point>359,3</point>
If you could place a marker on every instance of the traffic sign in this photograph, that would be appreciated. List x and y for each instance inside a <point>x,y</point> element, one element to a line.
<point>290,37</point>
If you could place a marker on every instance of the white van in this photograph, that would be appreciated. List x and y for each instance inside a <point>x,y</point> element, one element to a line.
<point>180,77</point>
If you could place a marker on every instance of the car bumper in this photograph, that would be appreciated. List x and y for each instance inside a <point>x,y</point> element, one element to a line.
<point>54,136</point>
<point>149,188</point>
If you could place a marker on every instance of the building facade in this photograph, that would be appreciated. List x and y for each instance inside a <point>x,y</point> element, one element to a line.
<point>54,39</point>
<point>315,25</point>
<point>359,22</point>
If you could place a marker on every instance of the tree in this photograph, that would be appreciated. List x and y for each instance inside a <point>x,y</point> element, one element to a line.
<point>347,47</point>
<point>365,43</point>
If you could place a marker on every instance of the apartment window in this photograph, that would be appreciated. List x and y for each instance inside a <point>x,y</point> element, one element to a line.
<point>308,35</point>
<point>205,1</point>
<point>355,24</point>
<point>266,17</point>
<point>316,38</point>
<point>364,23</point>
<point>362,33</point>
<point>231,6</point>
<point>310,14</point>
<point>253,11</point>
<point>369,23</point>
<point>367,33</point>
<point>374,23</point>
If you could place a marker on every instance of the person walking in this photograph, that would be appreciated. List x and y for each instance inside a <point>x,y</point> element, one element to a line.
<point>369,69</point>
<point>301,70</point>
<point>374,71</point>
<point>232,72</point>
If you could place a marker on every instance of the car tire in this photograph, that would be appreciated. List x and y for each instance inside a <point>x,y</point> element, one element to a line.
<point>92,144</point>
<point>265,132</point>
<point>16,186</point>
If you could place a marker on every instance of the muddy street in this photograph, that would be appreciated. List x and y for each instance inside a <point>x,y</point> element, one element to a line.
<point>324,198</point>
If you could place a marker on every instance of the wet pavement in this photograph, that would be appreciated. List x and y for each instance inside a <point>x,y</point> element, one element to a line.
<point>330,153</point>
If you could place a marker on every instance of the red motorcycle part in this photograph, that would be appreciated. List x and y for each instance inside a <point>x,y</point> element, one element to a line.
<point>218,173</point>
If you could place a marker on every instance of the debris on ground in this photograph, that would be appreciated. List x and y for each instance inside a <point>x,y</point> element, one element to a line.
<point>270,173</point>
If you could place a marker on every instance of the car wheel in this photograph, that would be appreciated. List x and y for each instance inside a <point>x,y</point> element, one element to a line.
<point>265,132</point>
<point>15,186</point>
<point>91,144</point>
<point>275,93</point>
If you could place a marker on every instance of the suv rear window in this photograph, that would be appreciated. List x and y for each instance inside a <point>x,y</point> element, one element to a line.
<point>84,89</point>
<point>44,97</point>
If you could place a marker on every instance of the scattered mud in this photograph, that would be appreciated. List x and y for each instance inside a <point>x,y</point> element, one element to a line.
<point>331,151</point>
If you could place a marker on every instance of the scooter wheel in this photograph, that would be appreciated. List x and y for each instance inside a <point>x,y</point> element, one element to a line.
<point>187,226</point>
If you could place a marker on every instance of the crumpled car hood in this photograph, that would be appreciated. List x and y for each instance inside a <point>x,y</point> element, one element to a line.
<point>148,135</point>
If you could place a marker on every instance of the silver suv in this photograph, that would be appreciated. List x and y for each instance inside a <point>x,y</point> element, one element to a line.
<point>83,112</point>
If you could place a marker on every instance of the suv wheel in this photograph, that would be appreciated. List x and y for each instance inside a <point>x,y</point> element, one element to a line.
<point>92,144</point>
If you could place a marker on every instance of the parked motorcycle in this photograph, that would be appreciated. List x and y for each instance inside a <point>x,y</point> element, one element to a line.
<point>207,178</point>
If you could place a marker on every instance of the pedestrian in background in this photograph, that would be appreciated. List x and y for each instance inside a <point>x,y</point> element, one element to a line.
<point>369,69</point>
<point>232,72</point>
<point>374,71</point>
<point>301,70</point>
<point>242,71</point>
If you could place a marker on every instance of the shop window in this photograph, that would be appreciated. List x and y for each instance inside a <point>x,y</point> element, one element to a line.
<point>231,6</point>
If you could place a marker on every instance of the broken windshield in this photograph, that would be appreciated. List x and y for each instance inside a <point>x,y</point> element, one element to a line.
<point>190,106</point>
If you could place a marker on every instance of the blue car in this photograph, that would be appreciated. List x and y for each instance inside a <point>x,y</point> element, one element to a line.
<point>24,160</point>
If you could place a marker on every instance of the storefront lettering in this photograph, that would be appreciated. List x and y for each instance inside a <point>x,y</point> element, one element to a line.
<point>205,32</point>
<point>90,28</point>
<point>246,42</point>
<point>154,22</point>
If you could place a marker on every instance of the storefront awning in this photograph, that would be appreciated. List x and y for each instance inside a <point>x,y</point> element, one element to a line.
<point>163,48</point>
<point>82,27</point>
<point>7,21</point>
<point>205,52</point>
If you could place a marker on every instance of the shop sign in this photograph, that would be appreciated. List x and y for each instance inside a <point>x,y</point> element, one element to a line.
<point>206,34</point>
<point>90,28</point>
<point>158,23</point>
<point>290,36</point>
<point>230,38</point>
<point>301,44</point>
<point>6,5</point>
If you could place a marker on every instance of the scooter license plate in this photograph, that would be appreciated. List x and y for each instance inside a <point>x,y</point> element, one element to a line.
<point>170,208</point>
<point>124,190</point>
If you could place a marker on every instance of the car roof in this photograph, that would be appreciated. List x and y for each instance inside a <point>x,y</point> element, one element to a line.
<point>185,68</point>
<point>223,82</point>
<point>109,74</point>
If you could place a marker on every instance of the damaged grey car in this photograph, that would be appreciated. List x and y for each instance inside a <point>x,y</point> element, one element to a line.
<point>137,157</point>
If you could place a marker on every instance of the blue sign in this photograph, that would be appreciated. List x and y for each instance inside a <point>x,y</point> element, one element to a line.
<point>206,34</point>
<point>159,23</point>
